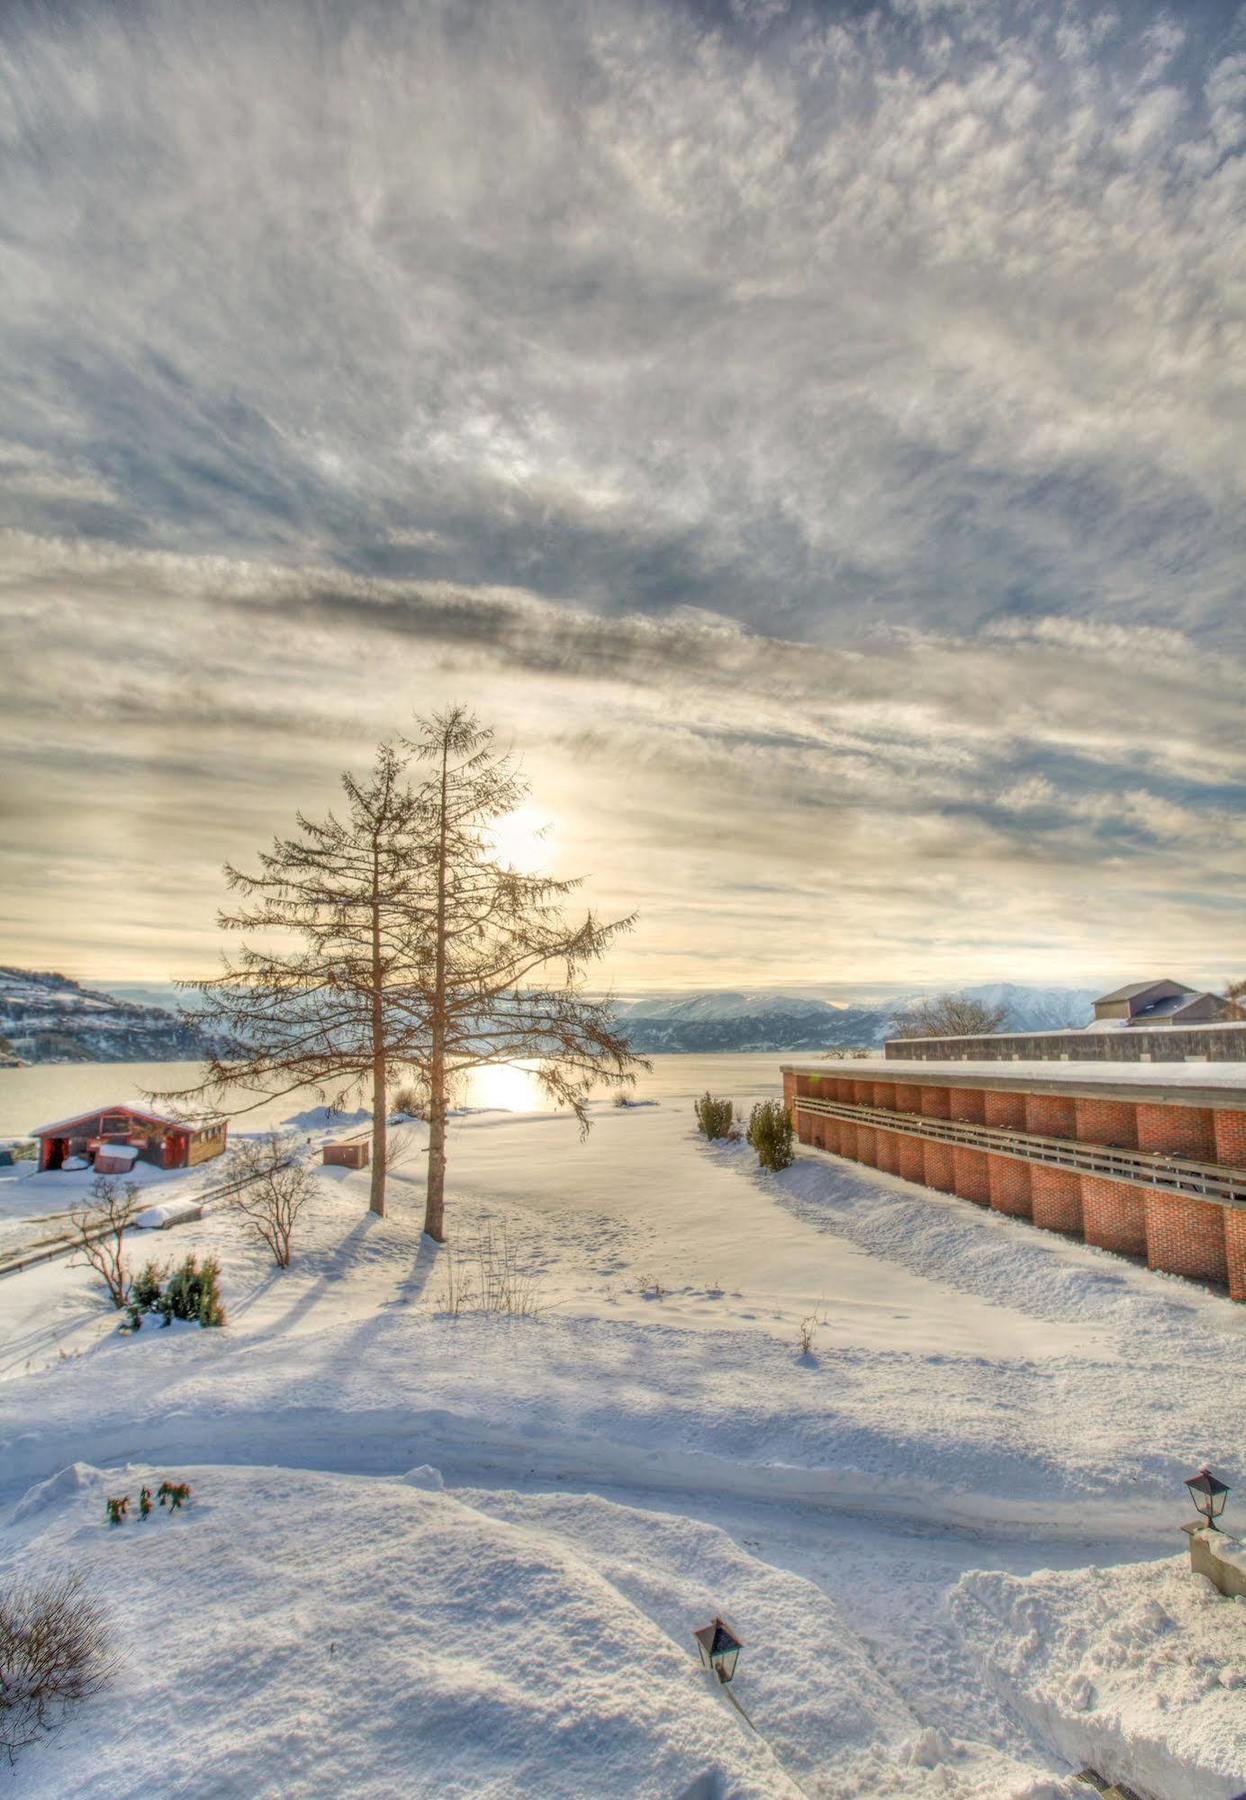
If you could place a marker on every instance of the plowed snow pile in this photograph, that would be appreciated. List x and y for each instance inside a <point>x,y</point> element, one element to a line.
<point>1138,1671</point>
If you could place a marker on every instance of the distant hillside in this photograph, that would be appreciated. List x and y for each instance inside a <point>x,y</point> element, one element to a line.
<point>46,1018</point>
<point>704,1023</point>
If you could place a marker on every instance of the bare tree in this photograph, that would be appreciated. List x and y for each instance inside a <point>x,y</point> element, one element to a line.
<point>501,981</point>
<point>1235,994</point>
<point>100,1224</point>
<point>338,1010</point>
<point>275,1186</point>
<point>53,1651</point>
<point>948,1015</point>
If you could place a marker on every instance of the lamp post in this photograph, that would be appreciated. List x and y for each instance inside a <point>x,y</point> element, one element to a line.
<point>720,1648</point>
<point>1209,1494</point>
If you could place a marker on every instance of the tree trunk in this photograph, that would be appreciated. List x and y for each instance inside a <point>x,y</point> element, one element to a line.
<point>435,1203</point>
<point>376,1200</point>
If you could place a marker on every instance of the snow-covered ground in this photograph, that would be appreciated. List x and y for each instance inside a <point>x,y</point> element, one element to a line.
<point>978,1396</point>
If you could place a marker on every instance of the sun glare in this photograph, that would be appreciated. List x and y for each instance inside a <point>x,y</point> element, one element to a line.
<point>520,840</point>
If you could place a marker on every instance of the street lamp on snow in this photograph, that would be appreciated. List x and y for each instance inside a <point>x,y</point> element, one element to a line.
<point>1209,1494</point>
<point>720,1648</point>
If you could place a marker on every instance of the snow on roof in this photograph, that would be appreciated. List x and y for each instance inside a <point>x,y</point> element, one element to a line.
<point>1135,988</point>
<point>1007,1072</point>
<point>134,1108</point>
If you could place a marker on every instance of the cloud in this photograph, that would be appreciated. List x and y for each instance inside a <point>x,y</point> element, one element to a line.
<point>817,434</point>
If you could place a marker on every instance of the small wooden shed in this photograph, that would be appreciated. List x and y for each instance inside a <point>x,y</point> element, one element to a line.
<point>348,1156</point>
<point>166,1142</point>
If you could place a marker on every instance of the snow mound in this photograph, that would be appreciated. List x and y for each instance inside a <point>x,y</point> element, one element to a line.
<point>425,1477</point>
<point>71,1480</point>
<point>1137,1671</point>
<point>324,1118</point>
<point>339,1635</point>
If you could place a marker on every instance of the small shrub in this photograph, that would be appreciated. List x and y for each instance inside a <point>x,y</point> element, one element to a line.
<point>53,1652</point>
<point>770,1134</point>
<point>622,1100</point>
<point>193,1293</point>
<point>714,1116</point>
<point>489,1278</point>
<point>808,1331</point>
<point>411,1098</point>
<point>145,1290</point>
<point>275,1185</point>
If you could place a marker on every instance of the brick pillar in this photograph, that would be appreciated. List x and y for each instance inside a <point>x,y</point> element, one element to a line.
<point>1107,1122</point>
<point>818,1125</point>
<point>1010,1185</point>
<point>887,1146</point>
<point>789,1089</point>
<point>935,1103</point>
<point>967,1104</point>
<point>908,1097</point>
<point>1050,1115</point>
<point>1055,1198</point>
<point>804,1126</point>
<point>937,1170</point>
<point>831,1135</point>
<point>1114,1215</point>
<point>1230,1130</point>
<point>847,1140</point>
<point>912,1164</point>
<point>1186,1129</point>
<point>1004,1109</point>
<point>1186,1237</point>
<point>972,1175</point>
<point>1235,1250</point>
<point>885,1095</point>
<point>866,1151</point>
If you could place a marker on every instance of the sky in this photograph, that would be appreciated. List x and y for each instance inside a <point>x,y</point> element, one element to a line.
<point>813,436</point>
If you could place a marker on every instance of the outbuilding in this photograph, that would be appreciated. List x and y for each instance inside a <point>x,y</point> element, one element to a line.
<point>105,1136</point>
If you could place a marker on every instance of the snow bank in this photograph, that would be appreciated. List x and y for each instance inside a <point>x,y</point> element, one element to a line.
<point>297,1634</point>
<point>1138,1671</point>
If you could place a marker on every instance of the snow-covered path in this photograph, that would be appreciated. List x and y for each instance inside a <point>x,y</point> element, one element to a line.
<point>979,1395</point>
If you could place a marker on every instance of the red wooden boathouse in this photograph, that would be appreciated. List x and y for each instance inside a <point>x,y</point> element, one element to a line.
<point>166,1142</point>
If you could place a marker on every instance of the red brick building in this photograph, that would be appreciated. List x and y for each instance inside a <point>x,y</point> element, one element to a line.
<point>1147,1163</point>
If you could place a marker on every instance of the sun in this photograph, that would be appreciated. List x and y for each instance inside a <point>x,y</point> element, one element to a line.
<point>520,840</point>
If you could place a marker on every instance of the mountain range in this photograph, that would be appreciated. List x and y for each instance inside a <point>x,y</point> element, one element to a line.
<point>744,1021</point>
<point>48,1018</point>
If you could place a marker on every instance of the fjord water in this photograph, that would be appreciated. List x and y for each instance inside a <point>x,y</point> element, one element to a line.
<point>48,1091</point>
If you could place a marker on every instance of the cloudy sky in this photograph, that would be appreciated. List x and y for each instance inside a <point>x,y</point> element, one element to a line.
<point>814,435</point>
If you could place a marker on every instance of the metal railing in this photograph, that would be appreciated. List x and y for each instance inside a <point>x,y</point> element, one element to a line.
<point>1141,1168</point>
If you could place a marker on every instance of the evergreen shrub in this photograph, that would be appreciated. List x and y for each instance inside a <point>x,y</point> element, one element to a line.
<point>714,1116</point>
<point>770,1134</point>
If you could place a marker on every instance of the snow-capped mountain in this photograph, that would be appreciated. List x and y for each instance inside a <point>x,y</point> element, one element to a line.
<point>47,1018</point>
<point>744,1021</point>
<point>748,1021</point>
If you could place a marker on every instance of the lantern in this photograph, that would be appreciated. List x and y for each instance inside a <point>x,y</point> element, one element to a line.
<point>1209,1494</point>
<point>720,1648</point>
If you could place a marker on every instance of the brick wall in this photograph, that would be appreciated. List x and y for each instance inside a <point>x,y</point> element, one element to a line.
<point>804,1127</point>
<point>885,1094</point>
<point>1186,1237</point>
<point>866,1152</point>
<point>1056,1198</point>
<point>971,1175</point>
<point>937,1170</point>
<point>912,1164</point>
<point>1230,1130</point>
<point>1163,1043</point>
<point>1114,1215</point>
<point>1010,1185</point>
<point>935,1103</point>
<point>847,1140</point>
<point>908,1097</point>
<point>887,1145</point>
<point>1107,1122</point>
<point>1185,1129</point>
<point>1050,1115</point>
<point>1007,1110</point>
<point>967,1104</point>
<point>863,1093</point>
<point>1235,1250</point>
<point>789,1090</point>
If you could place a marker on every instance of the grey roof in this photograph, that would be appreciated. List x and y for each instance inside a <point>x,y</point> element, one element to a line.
<point>1142,987</point>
